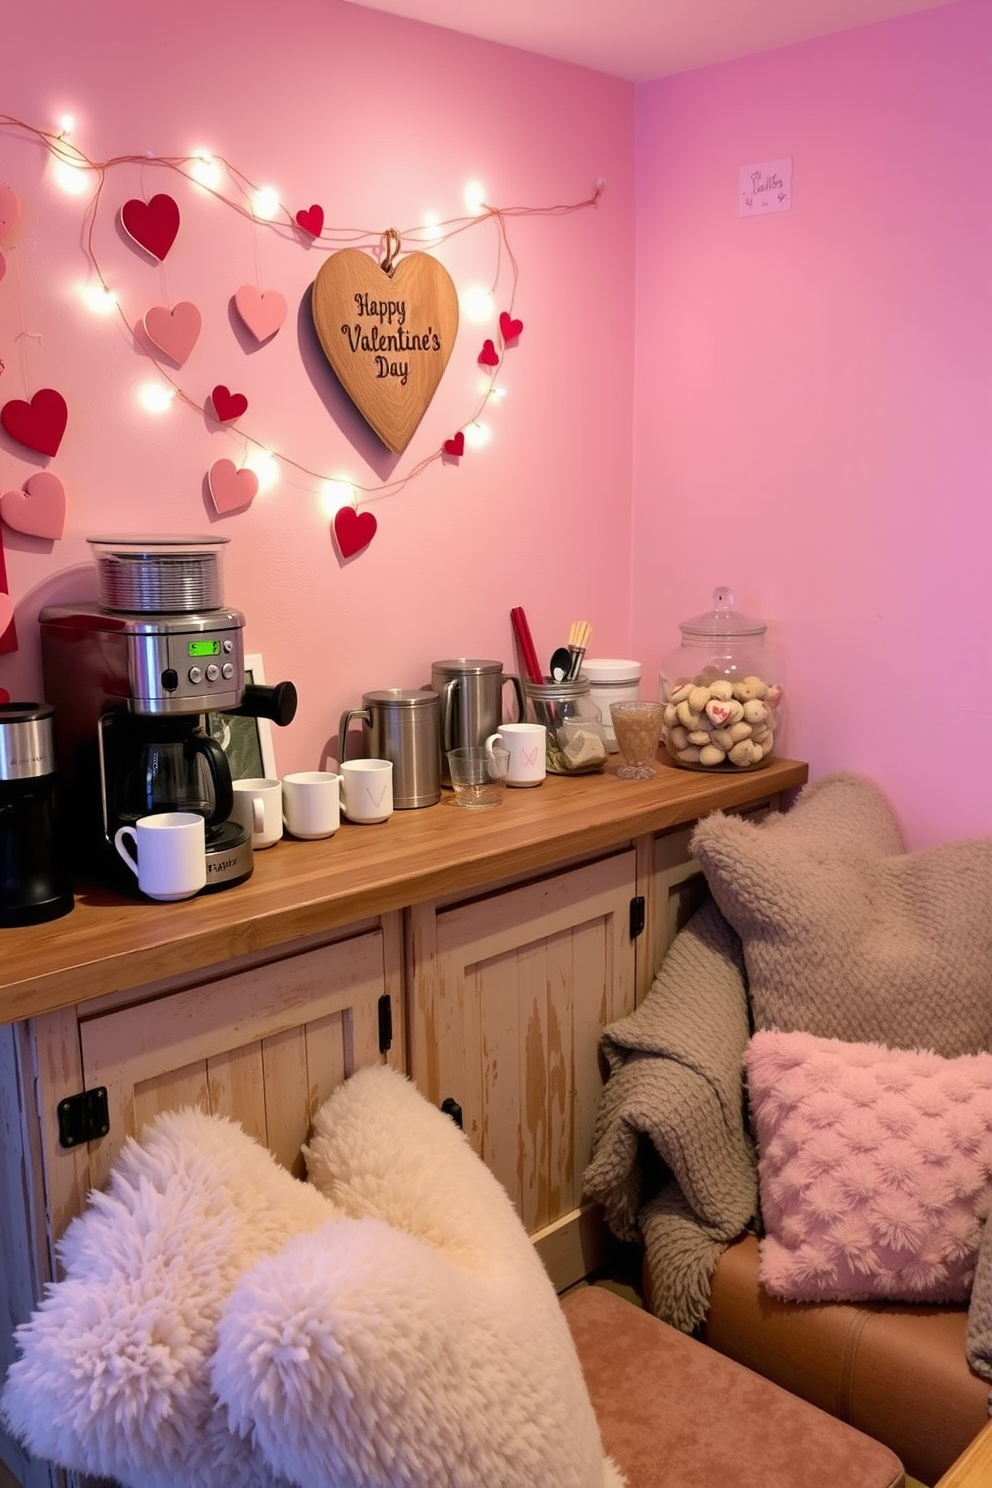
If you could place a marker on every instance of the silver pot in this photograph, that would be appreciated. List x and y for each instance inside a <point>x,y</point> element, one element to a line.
<point>402,726</point>
<point>471,707</point>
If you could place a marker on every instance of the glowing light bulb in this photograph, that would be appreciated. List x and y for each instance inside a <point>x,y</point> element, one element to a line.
<point>432,228</point>
<point>266,468</point>
<point>265,202</point>
<point>98,298</point>
<point>474,196</point>
<point>476,434</point>
<point>476,303</point>
<point>491,393</point>
<point>334,494</point>
<point>68,169</point>
<point>205,169</point>
<point>66,124</point>
<point>155,397</point>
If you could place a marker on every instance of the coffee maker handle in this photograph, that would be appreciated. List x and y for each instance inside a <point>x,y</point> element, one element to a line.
<point>512,678</point>
<point>365,714</point>
<point>277,704</point>
<point>220,774</point>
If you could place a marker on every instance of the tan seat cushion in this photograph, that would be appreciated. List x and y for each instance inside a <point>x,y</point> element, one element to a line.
<point>675,1413</point>
<point>896,1371</point>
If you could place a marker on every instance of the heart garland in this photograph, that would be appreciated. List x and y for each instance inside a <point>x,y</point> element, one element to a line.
<point>263,314</point>
<point>38,510</point>
<point>227,405</point>
<point>174,332</point>
<point>231,489</point>
<point>39,424</point>
<point>353,530</point>
<point>152,225</point>
<point>311,221</point>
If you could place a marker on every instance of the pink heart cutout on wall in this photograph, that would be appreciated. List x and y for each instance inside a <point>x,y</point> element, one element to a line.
<point>231,489</point>
<point>353,530</point>
<point>6,614</point>
<point>174,331</point>
<point>152,225</point>
<point>311,221</point>
<point>263,314</point>
<point>227,405</point>
<point>39,424</point>
<point>455,445</point>
<point>10,210</point>
<point>38,510</point>
<point>509,329</point>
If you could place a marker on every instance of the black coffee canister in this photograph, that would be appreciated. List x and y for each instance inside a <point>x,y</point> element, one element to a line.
<point>35,877</point>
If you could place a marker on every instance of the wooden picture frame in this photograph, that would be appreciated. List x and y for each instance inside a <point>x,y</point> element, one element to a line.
<point>247,742</point>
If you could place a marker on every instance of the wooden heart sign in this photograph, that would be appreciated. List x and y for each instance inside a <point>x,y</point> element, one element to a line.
<point>387,334</point>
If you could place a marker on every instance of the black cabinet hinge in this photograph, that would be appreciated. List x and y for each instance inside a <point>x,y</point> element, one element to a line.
<point>83,1117</point>
<point>636,916</point>
<point>385,1023</point>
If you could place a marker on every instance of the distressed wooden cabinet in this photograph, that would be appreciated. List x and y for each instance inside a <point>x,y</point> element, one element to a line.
<point>497,955</point>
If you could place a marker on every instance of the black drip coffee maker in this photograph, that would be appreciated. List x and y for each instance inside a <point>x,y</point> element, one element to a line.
<point>35,878</point>
<point>134,680</point>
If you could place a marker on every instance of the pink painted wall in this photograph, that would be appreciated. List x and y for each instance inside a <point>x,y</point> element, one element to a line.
<point>812,392</point>
<point>381,121</point>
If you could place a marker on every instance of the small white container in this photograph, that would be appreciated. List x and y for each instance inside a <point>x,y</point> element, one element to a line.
<point>612,681</point>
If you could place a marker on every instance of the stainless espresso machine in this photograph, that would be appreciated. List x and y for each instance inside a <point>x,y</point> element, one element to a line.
<point>132,680</point>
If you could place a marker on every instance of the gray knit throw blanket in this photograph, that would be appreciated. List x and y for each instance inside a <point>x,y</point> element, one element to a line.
<point>673,1164</point>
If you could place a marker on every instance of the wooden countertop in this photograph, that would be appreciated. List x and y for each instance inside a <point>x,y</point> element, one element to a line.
<point>109,942</point>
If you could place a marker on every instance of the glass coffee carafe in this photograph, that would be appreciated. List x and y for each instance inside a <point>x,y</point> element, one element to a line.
<point>175,766</point>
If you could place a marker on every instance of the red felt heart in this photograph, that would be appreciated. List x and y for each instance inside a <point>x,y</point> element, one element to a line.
<point>488,356</point>
<point>39,424</point>
<point>353,530</point>
<point>455,445</point>
<point>227,405</point>
<point>509,329</point>
<point>7,622</point>
<point>4,695</point>
<point>311,221</point>
<point>153,225</point>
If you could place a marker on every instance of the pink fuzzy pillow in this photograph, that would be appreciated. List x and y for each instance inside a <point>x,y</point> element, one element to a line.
<point>874,1167</point>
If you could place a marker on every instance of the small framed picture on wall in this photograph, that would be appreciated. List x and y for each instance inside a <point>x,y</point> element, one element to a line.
<point>247,742</point>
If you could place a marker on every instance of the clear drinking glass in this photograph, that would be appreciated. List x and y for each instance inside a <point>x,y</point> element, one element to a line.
<point>637,726</point>
<point>478,774</point>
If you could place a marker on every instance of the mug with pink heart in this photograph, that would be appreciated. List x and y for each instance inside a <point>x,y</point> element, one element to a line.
<point>527,746</point>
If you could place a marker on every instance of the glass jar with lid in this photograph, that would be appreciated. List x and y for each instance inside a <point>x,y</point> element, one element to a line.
<point>576,739</point>
<point>722,691</point>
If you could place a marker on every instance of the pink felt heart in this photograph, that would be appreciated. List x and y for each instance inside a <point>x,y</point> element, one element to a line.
<point>509,329</point>
<point>488,356</point>
<point>230,488</point>
<point>10,210</point>
<point>39,424</point>
<point>174,331</point>
<point>311,221</point>
<point>455,445</point>
<point>38,510</point>
<point>6,614</point>
<point>263,314</point>
<point>353,530</point>
<point>227,405</point>
<point>153,225</point>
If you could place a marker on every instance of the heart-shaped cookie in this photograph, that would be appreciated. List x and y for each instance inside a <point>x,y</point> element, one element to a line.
<point>263,314</point>
<point>39,424</point>
<point>353,530</point>
<point>10,210</point>
<point>231,489</point>
<point>153,225</point>
<point>38,510</point>
<point>174,331</point>
<point>388,336</point>
<point>227,405</point>
<point>312,220</point>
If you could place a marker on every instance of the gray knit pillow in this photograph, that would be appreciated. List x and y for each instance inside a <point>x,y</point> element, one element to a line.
<point>845,934</point>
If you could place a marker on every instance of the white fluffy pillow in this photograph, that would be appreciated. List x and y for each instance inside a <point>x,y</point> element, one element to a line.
<point>113,1377</point>
<point>418,1342</point>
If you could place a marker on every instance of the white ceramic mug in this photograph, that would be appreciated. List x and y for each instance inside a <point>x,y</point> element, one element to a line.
<point>258,808</point>
<point>527,746</point>
<point>367,790</point>
<point>311,803</point>
<point>170,853</point>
